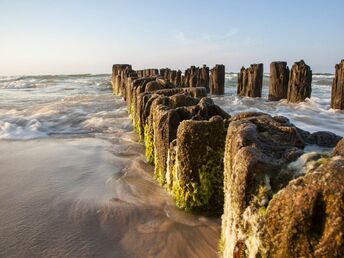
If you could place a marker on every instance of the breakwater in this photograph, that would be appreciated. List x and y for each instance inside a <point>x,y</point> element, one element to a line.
<point>213,162</point>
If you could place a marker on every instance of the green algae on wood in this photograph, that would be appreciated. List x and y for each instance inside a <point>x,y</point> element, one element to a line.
<point>196,170</point>
<point>148,139</point>
<point>196,196</point>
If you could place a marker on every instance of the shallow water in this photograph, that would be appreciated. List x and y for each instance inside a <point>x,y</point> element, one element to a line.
<point>74,181</point>
<point>312,115</point>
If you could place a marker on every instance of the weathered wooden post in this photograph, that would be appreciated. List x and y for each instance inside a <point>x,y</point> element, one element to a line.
<point>185,82</point>
<point>193,76</point>
<point>203,80</point>
<point>300,82</point>
<point>279,78</point>
<point>167,73</point>
<point>250,81</point>
<point>255,81</point>
<point>116,77</point>
<point>173,77</point>
<point>218,80</point>
<point>242,82</point>
<point>337,96</point>
<point>179,78</point>
<point>162,72</point>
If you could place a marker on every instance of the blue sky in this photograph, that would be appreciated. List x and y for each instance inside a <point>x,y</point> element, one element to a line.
<point>55,37</point>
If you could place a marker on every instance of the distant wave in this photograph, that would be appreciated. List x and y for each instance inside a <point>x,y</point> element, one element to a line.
<point>323,76</point>
<point>322,82</point>
<point>41,81</point>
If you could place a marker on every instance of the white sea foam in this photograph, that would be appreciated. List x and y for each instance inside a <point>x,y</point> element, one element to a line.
<point>323,76</point>
<point>312,115</point>
<point>231,76</point>
<point>42,106</point>
<point>30,130</point>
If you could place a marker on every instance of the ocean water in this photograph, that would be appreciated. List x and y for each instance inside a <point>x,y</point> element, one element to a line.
<point>312,115</point>
<point>74,181</point>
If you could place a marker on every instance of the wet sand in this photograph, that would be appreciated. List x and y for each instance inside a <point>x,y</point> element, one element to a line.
<point>89,197</point>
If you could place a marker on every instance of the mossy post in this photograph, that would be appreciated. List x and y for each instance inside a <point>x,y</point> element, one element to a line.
<point>195,165</point>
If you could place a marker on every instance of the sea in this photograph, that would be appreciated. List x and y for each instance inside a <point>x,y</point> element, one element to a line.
<point>74,180</point>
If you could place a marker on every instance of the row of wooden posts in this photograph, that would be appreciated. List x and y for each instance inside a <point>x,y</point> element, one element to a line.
<point>295,85</point>
<point>234,165</point>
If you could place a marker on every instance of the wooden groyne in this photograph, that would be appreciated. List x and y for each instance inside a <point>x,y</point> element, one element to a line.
<point>239,166</point>
<point>183,130</point>
<point>295,85</point>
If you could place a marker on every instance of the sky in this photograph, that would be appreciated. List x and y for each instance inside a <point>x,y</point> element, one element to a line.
<point>73,36</point>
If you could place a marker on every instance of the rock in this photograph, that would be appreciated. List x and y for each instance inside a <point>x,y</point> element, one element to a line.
<point>306,219</point>
<point>300,82</point>
<point>250,81</point>
<point>339,149</point>
<point>258,146</point>
<point>272,207</point>
<point>217,79</point>
<point>337,97</point>
<point>279,78</point>
<point>195,165</point>
<point>324,139</point>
